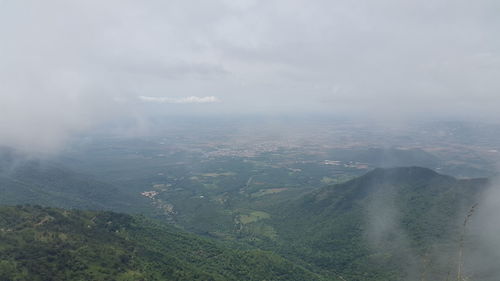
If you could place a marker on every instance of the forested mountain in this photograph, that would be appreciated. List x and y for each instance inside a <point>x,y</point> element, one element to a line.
<point>390,224</point>
<point>28,181</point>
<point>39,243</point>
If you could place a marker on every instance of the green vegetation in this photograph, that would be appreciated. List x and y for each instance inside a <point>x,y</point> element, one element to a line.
<point>32,182</point>
<point>336,180</point>
<point>380,226</point>
<point>254,216</point>
<point>263,192</point>
<point>38,243</point>
<point>390,224</point>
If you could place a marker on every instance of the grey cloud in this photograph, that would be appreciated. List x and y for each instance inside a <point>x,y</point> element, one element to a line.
<point>64,65</point>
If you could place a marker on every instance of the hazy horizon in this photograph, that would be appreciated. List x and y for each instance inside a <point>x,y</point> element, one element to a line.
<point>69,67</point>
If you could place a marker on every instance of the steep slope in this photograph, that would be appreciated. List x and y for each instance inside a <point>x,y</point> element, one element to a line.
<point>38,243</point>
<point>380,226</point>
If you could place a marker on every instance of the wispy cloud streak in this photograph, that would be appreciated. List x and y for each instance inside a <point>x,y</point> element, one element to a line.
<point>184,100</point>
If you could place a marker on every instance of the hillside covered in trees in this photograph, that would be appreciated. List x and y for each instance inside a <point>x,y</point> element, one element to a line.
<point>39,243</point>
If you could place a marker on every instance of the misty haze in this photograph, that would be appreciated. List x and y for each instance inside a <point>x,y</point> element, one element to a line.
<point>249,140</point>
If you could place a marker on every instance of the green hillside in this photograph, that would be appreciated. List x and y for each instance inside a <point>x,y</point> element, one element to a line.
<point>24,181</point>
<point>390,224</point>
<point>38,243</point>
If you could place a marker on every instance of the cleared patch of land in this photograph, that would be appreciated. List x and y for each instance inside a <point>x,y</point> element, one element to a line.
<point>263,192</point>
<point>336,180</point>
<point>254,216</point>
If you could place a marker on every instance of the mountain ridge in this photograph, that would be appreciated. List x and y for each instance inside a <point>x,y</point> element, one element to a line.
<point>344,226</point>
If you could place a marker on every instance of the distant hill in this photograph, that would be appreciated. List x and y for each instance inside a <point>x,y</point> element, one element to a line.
<point>26,181</point>
<point>380,226</point>
<point>38,243</point>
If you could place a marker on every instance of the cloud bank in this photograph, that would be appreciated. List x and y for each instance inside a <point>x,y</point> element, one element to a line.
<point>66,66</point>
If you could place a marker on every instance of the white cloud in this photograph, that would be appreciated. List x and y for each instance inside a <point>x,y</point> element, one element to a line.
<point>68,66</point>
<point>191,99</point>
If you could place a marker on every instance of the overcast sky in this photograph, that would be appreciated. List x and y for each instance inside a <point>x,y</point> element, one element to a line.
<point>66,66</point>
